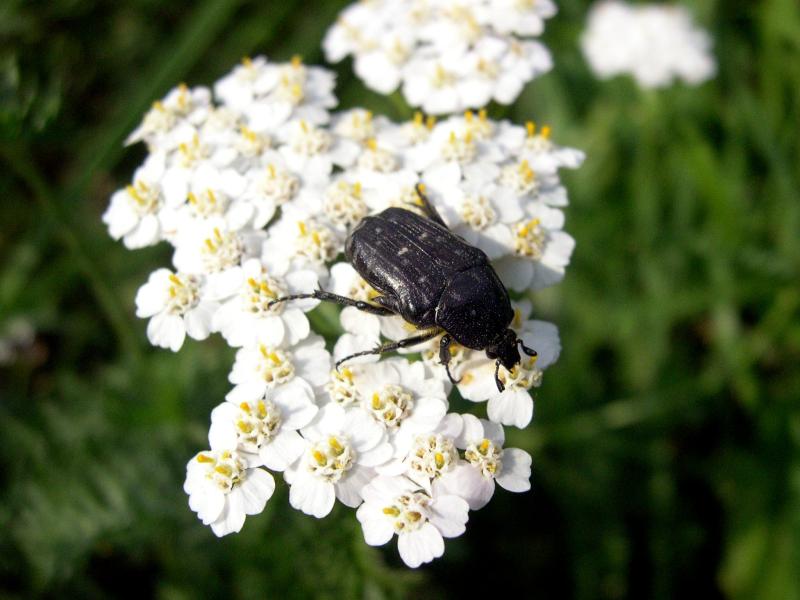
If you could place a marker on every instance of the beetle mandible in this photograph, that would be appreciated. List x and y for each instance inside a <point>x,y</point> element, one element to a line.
<point>434,280</point>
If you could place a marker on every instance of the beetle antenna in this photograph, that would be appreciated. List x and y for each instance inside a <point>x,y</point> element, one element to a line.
<point>525,349</point>
<point>500,386</point>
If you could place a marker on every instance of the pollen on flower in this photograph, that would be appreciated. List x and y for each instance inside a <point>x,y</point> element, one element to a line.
<point>408,512</point>
<point>251,144</point>
<point>191,152</point>
<point>481,128</point>
<point>330,459</point>
<point>486,456</point>
<point>221,250</point>
<point>278,184</point>
<point>223,468</point>
<point>525,375</point>
<point>430,355</point>
<point>316,242</point>
<point>207,203</point>
<point>530,239</point>
<point>342,388</point>
<point>390,405</point>
<point>358,125</point>
<point>256,424</point>
<point>520,177</point>
<point>377,159</point>
<point>145,197</point>
<point>310,140</point>
<point>538,142</point>
<point>344,204</point>
<point>477,212</point>
<point>432,455</point>
<point>184,294</point>
<point>460,148</point>
<point>259,292</point>
<point>275,366</point>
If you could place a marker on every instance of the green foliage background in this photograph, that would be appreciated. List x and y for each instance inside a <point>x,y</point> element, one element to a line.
<point>666,441</point>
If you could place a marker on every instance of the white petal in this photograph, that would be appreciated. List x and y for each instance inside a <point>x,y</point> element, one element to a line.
<point>348,488</point>
<point>256,489</point>
<point>420,546</point>
<point>449,515</point>
<point>512,407</point>
<point>282,450</point>
<point>516,473</point>
<point>311,495</point>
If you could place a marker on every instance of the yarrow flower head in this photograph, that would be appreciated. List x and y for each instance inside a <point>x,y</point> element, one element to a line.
<point>257,187</point>
<point>653,43</point>
<point>446,56</point>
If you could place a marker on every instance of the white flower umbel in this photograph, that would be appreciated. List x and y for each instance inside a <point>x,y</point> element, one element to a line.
<point>261,368</point>
<point>223,490</point>
<point>265,430</point>
<point>655,44</point>
<point>514,405</point>
<point>446,56</point>
<point>248,317</point>
<point>341,449</point>
<point>421,520</point>
<point>176,305</point>
<point>485,463</point>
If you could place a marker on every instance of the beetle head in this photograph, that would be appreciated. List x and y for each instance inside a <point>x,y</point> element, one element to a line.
<point>504,349</point>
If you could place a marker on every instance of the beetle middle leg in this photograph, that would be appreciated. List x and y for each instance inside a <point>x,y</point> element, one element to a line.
<point>390,346</point>
<point>343,300</point>
<point>444,356</point>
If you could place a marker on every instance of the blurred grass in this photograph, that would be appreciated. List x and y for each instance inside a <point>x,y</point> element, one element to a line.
<point>666,440</point>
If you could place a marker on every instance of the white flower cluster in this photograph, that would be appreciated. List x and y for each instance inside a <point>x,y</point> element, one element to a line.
<point>257,186</point>
<point>449,55</point>
<point>654,43</point>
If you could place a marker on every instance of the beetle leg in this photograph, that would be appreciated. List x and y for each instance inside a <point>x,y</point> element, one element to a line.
<point>525,349</point>
<point>500,386</point>
<point>427,207</point>
<point>389,346</point>
<point>444,356</point>
<point>343,300</point>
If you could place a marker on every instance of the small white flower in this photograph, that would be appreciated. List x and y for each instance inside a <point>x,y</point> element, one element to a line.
<point>176,305</point>
<point>341,449</point>
<point>402,399</point>
<point>486,462</point>
<point>248,318</point>
<point>261,368</point>
<point>396,505</point>
<point>223,490</point>
<point>135,212</point>
<point>265,430</point>
<point>538,250</point>
<point>181,110</point>
<point>300,240</point>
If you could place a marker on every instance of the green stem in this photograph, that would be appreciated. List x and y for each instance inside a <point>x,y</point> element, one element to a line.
<point>21,163</point>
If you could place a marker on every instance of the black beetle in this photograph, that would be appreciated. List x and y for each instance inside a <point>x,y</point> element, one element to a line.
<point>435,281</point>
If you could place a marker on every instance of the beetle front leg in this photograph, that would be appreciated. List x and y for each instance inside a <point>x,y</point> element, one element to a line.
<point>390,346</point>
<point>445,356</point>
<point>341,300</point>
